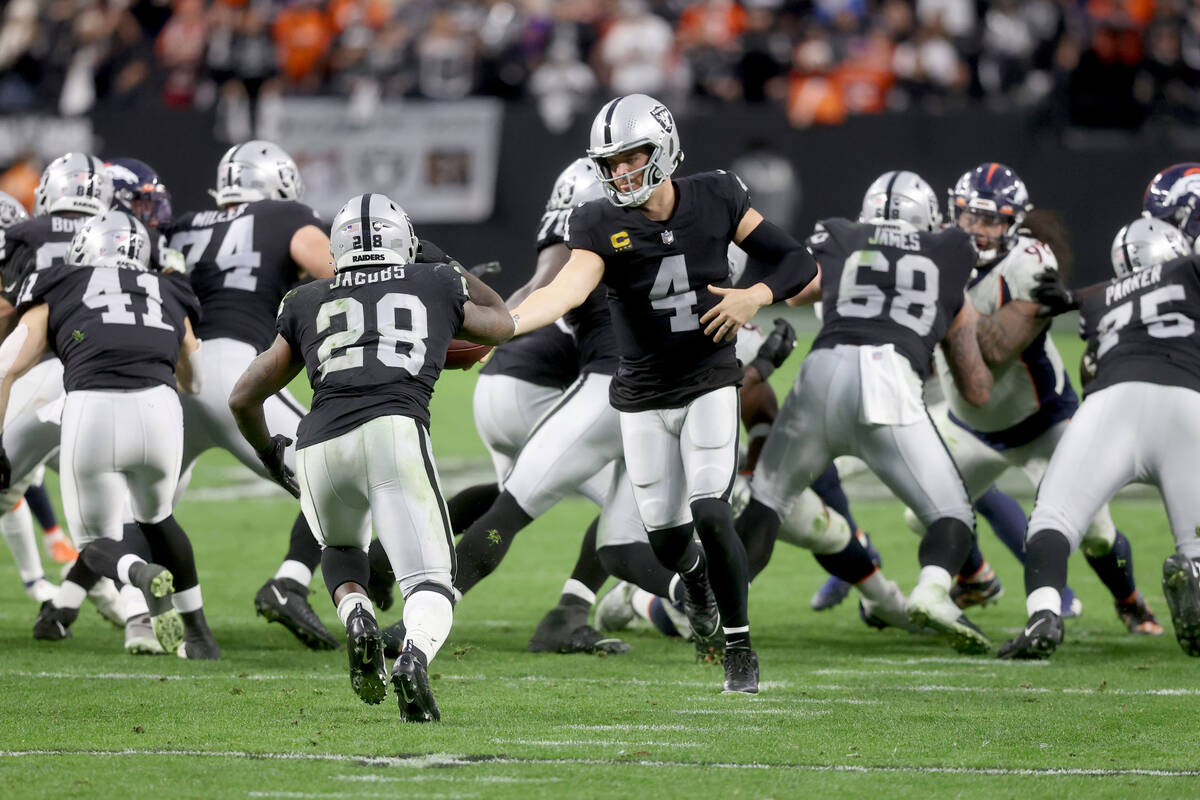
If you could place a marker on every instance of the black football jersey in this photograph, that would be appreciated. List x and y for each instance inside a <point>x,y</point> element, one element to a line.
<point>657,275</point>
<point>241,265</point>
<point>883,284</point>
<point>545,357</point>
<point>34,244</point>
<point>374,342</point>
<point>114,329</point>
<point>1144,327</point>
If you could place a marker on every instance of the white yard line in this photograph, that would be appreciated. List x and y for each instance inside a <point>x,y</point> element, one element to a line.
<point>591,743</point>
<point>446,759</point>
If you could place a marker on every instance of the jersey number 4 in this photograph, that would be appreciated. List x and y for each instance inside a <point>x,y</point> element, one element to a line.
<point>391,335</point>
<point>911,307</point>
<point>1160,325</point>
<point>671,292</point>
<point>236,257</point>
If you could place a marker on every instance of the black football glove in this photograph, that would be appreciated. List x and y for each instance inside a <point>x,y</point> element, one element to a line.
<point>5,471</point>
<point>430,253</point>
<point>1053,295</point>
<point>774,351</point>
<point>272,459</point>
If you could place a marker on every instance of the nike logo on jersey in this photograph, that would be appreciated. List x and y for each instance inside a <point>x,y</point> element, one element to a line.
<point>279,596</point>
<point>1029,630</point>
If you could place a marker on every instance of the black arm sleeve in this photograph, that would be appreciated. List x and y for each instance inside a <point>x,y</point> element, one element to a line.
<point>794,267</point>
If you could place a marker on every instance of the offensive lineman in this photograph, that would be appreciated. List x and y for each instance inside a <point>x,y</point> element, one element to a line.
<point>363,453</point>
<point>1141,330</point>
<point>242,259</point>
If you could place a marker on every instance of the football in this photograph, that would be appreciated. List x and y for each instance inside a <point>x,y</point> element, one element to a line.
<point>462,354</point>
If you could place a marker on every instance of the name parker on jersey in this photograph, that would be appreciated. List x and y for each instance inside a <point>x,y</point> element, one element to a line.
<point>1122,288</point>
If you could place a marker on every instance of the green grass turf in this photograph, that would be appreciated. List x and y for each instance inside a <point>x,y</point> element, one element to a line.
<point>844,709</point>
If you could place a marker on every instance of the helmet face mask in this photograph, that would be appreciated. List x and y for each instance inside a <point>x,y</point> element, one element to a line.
<point>1146,242</point>
<point>625,130</point>
<point>257,170</point>
<point>11,210</point>
<point>111,239</point>
<point>901,196</point>
<point>371,230</point>
<point>990,195</point>
<point>75,182</point>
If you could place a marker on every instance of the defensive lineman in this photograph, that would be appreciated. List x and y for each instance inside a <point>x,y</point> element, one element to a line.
<point>363,453</point>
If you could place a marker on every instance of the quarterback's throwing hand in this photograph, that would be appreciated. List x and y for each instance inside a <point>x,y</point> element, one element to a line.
<point>736,308</point>
<point>272,459</point>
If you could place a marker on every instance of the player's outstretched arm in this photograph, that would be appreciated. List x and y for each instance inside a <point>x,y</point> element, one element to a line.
<point>188,373</point>
<point>310,249</point>
<point>1006,333</point>
<point>20,351</point>
<point>961,345</point>
<point>550,262</point>
<point>575,281</point>
<point>763,240</point>
<point>485,317</point>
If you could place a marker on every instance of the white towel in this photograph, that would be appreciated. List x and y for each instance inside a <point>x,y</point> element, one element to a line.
<point>891,390</point>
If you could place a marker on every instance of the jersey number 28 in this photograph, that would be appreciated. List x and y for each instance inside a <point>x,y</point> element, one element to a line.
<point>350,355</point>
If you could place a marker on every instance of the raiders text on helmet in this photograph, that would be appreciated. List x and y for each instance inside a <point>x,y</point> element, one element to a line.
<point>371,229</point>
<point>627,123</point>
<point>74,182</point>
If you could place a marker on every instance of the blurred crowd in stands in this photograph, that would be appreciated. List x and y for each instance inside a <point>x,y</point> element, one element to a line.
<point>1107,63</point>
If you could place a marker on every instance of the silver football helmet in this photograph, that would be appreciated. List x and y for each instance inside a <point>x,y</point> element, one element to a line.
<point>74,182</point>
<point>11,210</point>
<point>627,123</point>
<point>902,196</point>
<point>1144,243</point>
<point>371,230</point>
<point>112,239</point>
<point>257,170</point>
<point>576,184</point>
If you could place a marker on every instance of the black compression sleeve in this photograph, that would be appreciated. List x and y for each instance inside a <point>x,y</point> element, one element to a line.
<point>794,267</point>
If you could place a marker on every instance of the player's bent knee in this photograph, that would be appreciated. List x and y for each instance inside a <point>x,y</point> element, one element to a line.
<point>1053,519</point>
<point>435,580</point>
<point>809,524</point>
<point>1099,538</point>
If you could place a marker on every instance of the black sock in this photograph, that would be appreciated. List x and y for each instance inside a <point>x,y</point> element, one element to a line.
<point>636,563</point>
<point>82,575</point>
<point>484,543</point>
<point>737,641</point>
<point>852,563</point>
<point>947,544</point>
<point>101,556</point>
<point>1115,568</point>
<point>675,548</point>
<point>828,487</point>
<point>381,565</point>
<point>1046,554</point>
<point>470,504</point>
<point>135,540</point>
<point>171,548</point>
<point>757,527</point>
<point>728,571</point>
<point>589,569</point>
<point>302,545</point>
<point>39,504</point>
<point>973,563</point>
<point>344,565</point>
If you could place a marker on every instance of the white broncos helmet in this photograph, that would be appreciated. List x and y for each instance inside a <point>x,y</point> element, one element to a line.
<point>1144,243</point>
<point>371,230</point>
<point>11,210</point>
<point>626,123</point>
<point>257,170</point>
<point>112,239</point>
<point>902,196</point>
<point>74,182</point>
<point>576,184</point>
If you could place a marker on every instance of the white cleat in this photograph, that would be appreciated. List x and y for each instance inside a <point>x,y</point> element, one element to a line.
<point>891,612</point>
<point>614,611</point>
<point>40,590</point>
<point>140,638</point>
<point>107,599</point>
<point>930,606</point>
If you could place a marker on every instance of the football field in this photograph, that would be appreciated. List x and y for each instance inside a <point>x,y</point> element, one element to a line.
<point>843,709</point>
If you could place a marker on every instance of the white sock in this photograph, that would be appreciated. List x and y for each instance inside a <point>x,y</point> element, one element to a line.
<point>69,595</point>
<point>1047,598</point>
<point>641,600</point>
<point>134,600</point>
<point>427,620</point>
<point>124,563</point>
<point>17,528</point>
<point>295,571</point>
<point>188,600</point>
<point>938,576</point>
<point>875,588</point>
<point>577,589</point>
<point>350,601</point>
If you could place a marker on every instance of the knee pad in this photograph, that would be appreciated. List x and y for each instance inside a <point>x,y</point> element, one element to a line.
<point>809,524</point>
<point>1099,538</point>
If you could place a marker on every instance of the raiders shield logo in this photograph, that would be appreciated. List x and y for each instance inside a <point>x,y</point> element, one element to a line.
<point>663,117</point>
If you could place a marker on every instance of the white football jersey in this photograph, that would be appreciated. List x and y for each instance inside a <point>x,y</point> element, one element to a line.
<point>1032,382</point>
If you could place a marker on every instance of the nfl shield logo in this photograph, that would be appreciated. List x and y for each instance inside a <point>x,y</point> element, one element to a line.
<point>668,237</point>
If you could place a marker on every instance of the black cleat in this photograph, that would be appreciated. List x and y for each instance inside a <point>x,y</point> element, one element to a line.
<point>1181,585</point>
<point>983,589</point>
<point>198,641</point>
<point>285,601</point>
<point>394,637</point>
<point>1137,617</point>
<point>410,681</point>
<point>1042,635</point>
<point>741,672</point>
<point>705,618</point>
<point>364,643</point>
<point>156,584</point>
<point>53,624</point>
<point>565,630</point>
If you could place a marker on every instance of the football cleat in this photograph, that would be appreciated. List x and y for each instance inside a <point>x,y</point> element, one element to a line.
<point>1042,635</point>
<point>142,639</point>
<point>198,642</point>
<point>156,583</point>
<point>1181,585</point>
<point>59,548</point>
<point>614,611</point>
<point>394,637</point>
<point>1072,606</point>
<point>890,613</point>
<point>704,617</point>
<point>410,680</point>
<point>40,590</point>
<point>741,672</point>
<point>107,599</point>
<point>53,624</point>
<point>364,644</point>
<point>981,589</point>
<point>285,601</point>
<point>1137,616</point>
<point>930,606</point>
<point>564,629</point>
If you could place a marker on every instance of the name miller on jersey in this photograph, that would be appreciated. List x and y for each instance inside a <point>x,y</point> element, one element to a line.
<point>206,218</point>
<point>1138,280</point>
